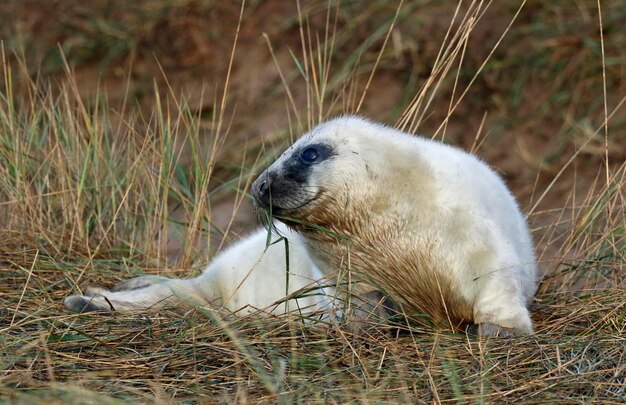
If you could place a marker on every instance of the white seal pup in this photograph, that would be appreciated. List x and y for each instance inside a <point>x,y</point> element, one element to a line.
<point>428,224</point>
<point>245,278</point>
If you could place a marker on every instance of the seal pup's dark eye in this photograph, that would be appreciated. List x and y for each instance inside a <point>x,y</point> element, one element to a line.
<point>309,155</point>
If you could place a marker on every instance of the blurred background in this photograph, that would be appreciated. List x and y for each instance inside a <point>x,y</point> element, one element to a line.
<point>526,83</point>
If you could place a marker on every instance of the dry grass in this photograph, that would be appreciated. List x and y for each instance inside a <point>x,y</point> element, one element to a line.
<point>91,193</point>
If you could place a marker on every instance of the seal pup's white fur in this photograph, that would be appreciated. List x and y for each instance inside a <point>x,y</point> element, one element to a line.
<point>244,278</point>
<point>431,225</point>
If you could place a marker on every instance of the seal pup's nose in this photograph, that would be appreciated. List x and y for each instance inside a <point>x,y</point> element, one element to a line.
<point>261,190</point>
<point>264,190</point>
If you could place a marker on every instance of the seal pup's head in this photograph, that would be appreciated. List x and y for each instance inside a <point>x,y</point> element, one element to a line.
<point>336,168</point>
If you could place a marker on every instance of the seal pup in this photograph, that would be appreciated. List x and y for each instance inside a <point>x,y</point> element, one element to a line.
<point>428,224</point>
<point>247,277</point>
